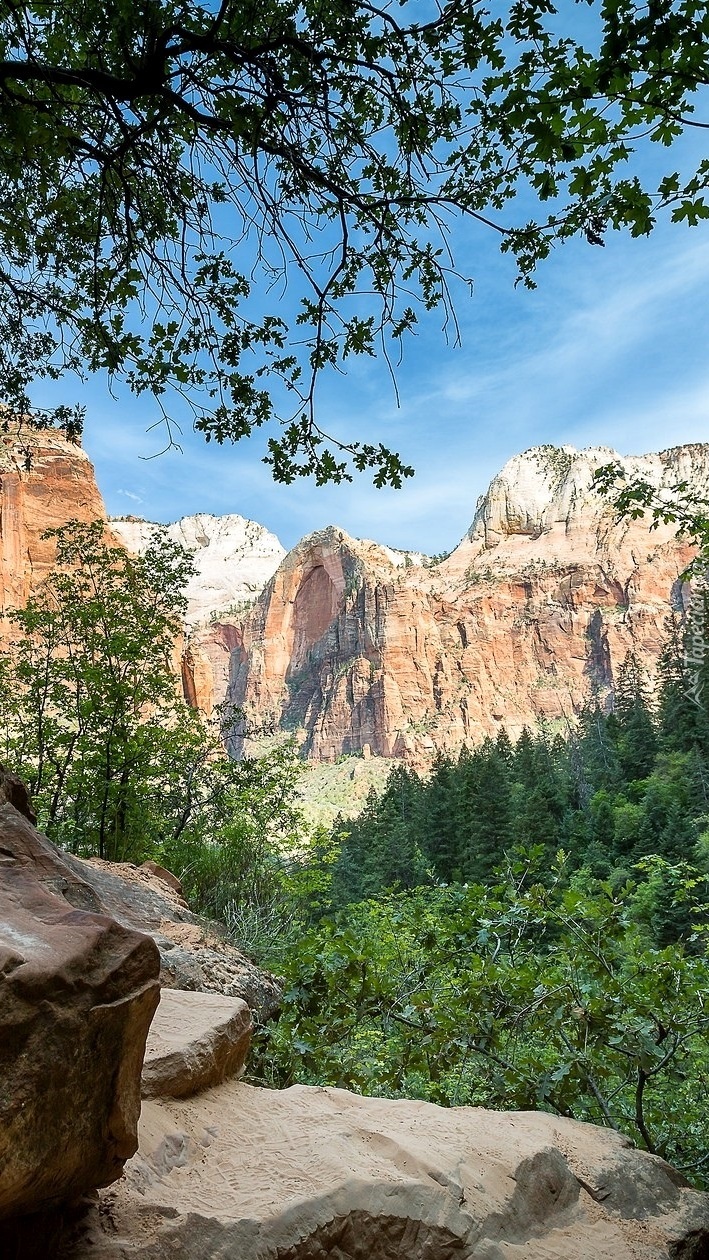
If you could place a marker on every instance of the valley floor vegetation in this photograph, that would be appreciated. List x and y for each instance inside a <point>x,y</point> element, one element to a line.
<point>524,927</point>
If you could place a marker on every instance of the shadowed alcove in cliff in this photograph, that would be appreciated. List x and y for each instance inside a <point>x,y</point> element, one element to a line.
<point>315,608</point>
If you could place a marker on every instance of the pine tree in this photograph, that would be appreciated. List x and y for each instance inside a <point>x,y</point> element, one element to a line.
<point>598,748</point>
<point>636,738</point>
<point>486,823</point>
<point>442,810</point>
<point>683,708</point>
<point>539,798</point>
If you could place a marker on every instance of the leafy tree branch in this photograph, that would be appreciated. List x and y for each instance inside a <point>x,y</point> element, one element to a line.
<point>166,168</point>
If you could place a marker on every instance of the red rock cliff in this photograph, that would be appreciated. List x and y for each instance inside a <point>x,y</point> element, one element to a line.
<point>351,645</point>
<point>45,481</point>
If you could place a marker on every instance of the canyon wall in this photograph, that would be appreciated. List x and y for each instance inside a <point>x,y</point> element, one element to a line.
<point>355,648</point>
<point>45,481</point>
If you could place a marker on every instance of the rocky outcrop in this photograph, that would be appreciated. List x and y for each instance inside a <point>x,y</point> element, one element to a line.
<point>354,648</point>
<point>207,662</point>
<point>14,792</point>
<point>340,648</point>
<point>194,954</point>
<point>309,1173</point>
<point>223,1168</point>
<point>233,558</point>
<point>77,993</point>
<point>45,481</point>
<point>196,1040</point>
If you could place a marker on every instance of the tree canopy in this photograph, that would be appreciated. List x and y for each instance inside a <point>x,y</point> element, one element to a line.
<point>166,167</point>
<point>117,763</point>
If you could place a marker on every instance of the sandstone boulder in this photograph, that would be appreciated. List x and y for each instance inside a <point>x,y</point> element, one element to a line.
<point>310,1174</point>
<point>165,876</point>
<point>195,1040</point>
<point>77,994</point>
<point>194,953</point>
<point>14,792</point>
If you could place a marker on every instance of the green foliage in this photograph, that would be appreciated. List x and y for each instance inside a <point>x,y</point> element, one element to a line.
<point>431,562</point>
<point>235,849</point>
<point>90,713</point>
<point>382,847</point>
<point>634,727</point>
<point>623,786</point>
<point>515,995</point>
<point>118,765</point>
<point>527,927</point>
<point>165,165</point>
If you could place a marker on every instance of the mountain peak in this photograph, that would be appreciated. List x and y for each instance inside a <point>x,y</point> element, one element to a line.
<point>234,557</point>
<point>548,487</point>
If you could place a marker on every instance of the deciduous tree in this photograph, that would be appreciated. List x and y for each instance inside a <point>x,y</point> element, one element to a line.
<point>165,166</point>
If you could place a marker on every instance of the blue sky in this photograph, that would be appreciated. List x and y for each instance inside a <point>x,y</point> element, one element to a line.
<point>611,349</point>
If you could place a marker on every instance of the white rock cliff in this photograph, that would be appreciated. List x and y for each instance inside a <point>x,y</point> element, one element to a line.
<point>234,557</point>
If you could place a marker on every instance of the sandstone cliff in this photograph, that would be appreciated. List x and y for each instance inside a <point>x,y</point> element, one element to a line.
<point>233,557</point>
<point>356,648</point>
<point>45,481</point>
<point>359,648</point>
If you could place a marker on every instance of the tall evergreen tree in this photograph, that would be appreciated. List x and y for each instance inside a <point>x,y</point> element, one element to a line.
<point>683,700</point>
<point>636,736</point>
<point>442,810</point>
<point>539,795</point>
<point>599,756</point>
<point>486,820</point>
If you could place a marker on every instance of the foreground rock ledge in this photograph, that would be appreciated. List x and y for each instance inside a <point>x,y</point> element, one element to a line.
<point>309,1173</point>
<point>193,955</point>
<point>77,994</point>
<point>196,1040</point>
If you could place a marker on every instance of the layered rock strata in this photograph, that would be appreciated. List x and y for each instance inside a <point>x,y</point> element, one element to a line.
<point>310,1173</point>
<point>528,618</point>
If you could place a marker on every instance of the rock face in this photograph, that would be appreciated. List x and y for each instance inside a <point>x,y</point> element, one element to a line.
<point>234,557</point>
<point>14,792</point>
<point>307,1173</point>
<point>196,1040</point>
<point>207,661</point>
<point>77,993</point>
<point>193,956</point>
<point>527,618</point>
<point>45,481</point>
<point>360,649</point>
